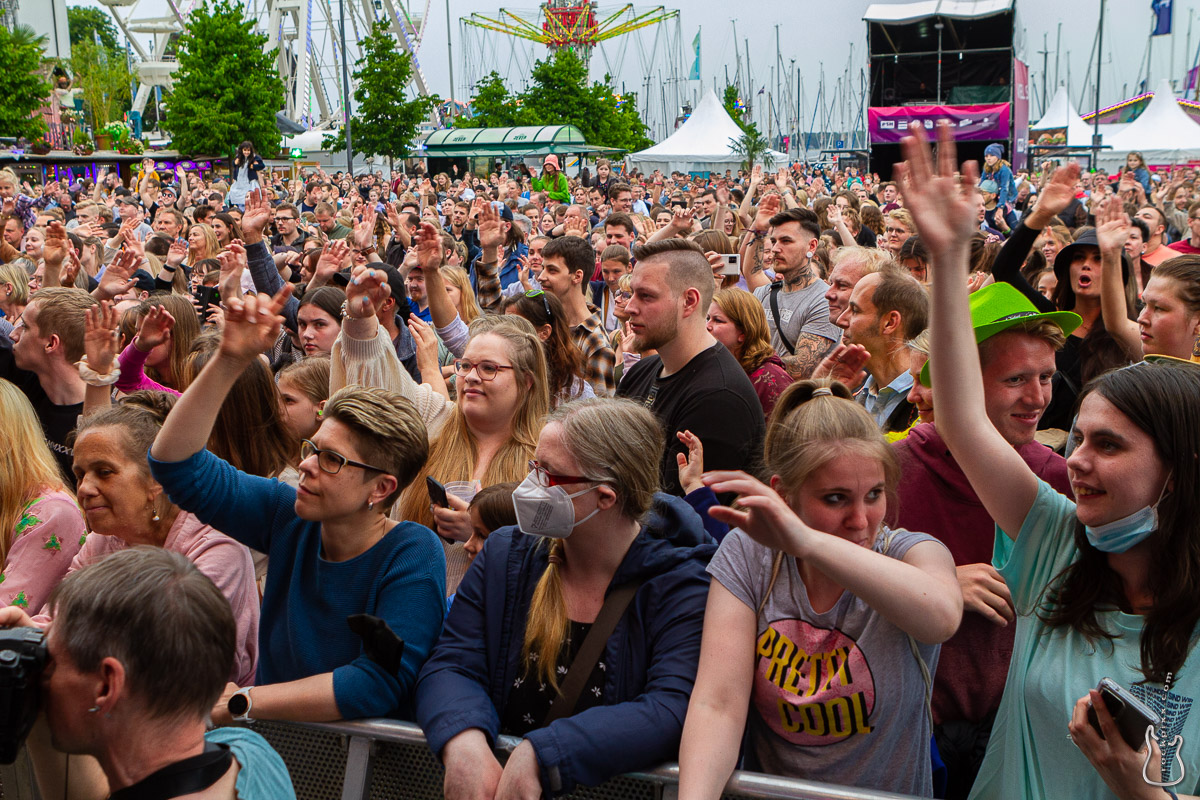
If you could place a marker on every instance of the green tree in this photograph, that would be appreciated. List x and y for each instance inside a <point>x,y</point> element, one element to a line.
<point>386,122</point>
<point>226,88</point>
<point>753,148</point>
<point>23,87</point>
<point>492,106</point>
<point>89,24</point>
<point>729,99</point>
<point>102,77</point>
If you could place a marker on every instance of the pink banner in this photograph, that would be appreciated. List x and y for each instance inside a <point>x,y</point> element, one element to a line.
<point>890,124</point>
<point>1020,134</point>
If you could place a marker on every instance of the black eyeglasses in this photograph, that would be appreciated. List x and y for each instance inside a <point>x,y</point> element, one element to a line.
<point>329,461</point>
<point>486,369</point>
<point>545,303</point>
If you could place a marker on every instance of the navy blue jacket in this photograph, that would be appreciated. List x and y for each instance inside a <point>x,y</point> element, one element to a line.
<point>652,654</point>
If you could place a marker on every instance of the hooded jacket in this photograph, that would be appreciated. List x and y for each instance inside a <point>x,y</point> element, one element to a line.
<point>652,654</point>
<point>936,497</point>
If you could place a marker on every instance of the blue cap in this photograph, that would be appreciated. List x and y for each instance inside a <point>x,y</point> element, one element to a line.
<point>995,149</point>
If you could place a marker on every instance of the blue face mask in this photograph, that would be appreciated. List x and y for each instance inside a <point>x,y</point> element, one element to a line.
<point>1123,534</point>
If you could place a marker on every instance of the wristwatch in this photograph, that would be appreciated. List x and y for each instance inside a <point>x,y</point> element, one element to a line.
<point>239,705</point>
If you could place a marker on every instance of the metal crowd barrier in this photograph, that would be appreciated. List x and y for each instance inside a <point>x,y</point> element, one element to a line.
<point>389,760</point>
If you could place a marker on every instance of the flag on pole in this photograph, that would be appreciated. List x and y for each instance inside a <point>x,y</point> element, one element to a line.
<point>1162,16</point>
<point>694,73</point>
<point>1192,75</point>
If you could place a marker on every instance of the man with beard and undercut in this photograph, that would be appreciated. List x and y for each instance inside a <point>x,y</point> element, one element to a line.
<point>693,383</point>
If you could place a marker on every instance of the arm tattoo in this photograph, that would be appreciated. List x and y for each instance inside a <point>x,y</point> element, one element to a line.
<point>755,250</point>
<point>810,349</point>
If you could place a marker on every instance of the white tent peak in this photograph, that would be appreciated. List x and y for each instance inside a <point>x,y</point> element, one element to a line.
<point>1163,134</point>
<point>702,143</point>
<point>1062,114</point>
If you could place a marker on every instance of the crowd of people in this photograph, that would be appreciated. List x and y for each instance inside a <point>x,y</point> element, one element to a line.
<point>799,471</point>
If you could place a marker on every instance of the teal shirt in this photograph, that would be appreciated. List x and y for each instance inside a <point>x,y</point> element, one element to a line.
<point>1029,756</point>
<point>262,774</point>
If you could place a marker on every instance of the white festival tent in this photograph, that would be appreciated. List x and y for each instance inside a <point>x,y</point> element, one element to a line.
<point>1062,115</point>
<point>1164,134</point>
<point>701,144</point>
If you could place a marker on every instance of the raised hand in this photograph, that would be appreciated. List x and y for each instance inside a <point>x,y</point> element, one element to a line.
<point>576,226</point>
<point>364,231</point>
<point>70,269</point>
<point>767,207</point>
<point>178,253</point>
<point>523,272</point>
<point>846,364</point>
<point>118,276</point>
<point>427,346</point>
<point>154,329</point>
<point>781,178</point>
<point>429,247</point>
<point>691,463</point>
<point>233,265</point>
<point>366,292</point>
<point>756,175</point>
<point>1058,192</point>
<point>252,324</point>
<point>942,202</point>
<point>257,215</point>
<point>57,244</point>
<point>1112,225</point>
<point>681,220</point>
<point>392,215</point>
<point>333,258</point>
<point>490,235</point>
<point>760,512</point>
<point>100,332</point>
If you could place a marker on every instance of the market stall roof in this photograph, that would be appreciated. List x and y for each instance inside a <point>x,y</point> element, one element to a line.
<point>1163,134</point>
<point>703,143</point>
<point>524,140</point>
<point>901,13</point>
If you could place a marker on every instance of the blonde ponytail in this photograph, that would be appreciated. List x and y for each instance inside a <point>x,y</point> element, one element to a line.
<point>547,626</point>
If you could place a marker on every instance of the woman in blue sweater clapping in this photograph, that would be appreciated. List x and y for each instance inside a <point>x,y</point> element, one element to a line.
<point>338,565</point>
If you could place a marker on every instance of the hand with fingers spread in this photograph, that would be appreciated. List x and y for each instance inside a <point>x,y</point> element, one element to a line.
<point>691,463</point>
<point>177,254</point>
<point>155,328</point>
<point>233,266</point>
<point>756,175</point>
<point>118,276</point>
<point>681,220</point>
<point>70,269</point>
<point>1055,196</point>
<point>366,292</point>
<point>576,226</point>
<point>364,231</point>
<point>942,201</point>
<point>392,215</point>
<point>252,325</point>
<point>256,217</point>
<point>100,332</point>
<point>767,207</point>
<point>334,258</point>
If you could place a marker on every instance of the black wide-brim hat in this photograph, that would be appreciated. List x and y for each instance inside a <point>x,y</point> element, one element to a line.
<point>1062,267</point>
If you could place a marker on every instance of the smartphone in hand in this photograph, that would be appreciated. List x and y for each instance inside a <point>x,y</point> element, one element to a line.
<point>1131,714</point>
<point>437,492</point>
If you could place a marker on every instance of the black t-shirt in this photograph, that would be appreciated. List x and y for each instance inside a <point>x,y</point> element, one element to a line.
<point>713,398</point>
<point>57,421</point>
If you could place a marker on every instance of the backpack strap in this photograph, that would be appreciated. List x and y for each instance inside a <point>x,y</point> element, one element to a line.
<point>775,289</point>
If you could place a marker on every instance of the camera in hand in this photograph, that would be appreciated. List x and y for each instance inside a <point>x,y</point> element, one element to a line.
<point>22,658</point>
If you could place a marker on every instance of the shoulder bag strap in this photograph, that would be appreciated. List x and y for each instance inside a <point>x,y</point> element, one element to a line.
<point>775,289</point>
<point>591,650</point>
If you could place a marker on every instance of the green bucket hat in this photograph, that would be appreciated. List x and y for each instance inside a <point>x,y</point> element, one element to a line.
<point>1000,306</point>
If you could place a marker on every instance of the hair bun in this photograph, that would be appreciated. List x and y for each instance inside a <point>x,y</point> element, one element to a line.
<point>156,404</point>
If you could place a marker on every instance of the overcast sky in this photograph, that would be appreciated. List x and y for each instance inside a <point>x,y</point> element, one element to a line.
<point>822,33</point>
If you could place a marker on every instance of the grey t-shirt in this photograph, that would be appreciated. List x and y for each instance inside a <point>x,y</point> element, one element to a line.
<point>838,696</point>
<point>801,311</point>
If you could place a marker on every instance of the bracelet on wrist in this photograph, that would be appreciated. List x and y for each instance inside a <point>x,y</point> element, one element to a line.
<point>169,268</point>
<point>93,378</point>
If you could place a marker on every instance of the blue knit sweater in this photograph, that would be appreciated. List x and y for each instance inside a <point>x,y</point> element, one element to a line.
<point>303,630</point>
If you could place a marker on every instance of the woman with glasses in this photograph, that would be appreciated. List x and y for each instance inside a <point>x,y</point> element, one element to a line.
<point>591,526</point>
<point>340,568</point>
<point>488,434</point>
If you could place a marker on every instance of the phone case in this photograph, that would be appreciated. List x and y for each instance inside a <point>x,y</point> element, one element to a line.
<point>1131,714</point>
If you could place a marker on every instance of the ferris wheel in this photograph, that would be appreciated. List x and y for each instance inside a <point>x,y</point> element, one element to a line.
<point>307,34</point>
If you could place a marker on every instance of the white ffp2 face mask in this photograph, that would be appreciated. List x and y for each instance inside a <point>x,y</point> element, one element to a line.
<point>547,510</point>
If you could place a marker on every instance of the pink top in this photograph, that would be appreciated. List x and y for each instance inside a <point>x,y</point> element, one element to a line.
<point>132,363</point>
<point>47,537</point>
<point>226,563</point>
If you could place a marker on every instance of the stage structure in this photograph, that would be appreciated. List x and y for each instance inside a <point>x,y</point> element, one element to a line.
<point>509,42</point>
<point>307,34</point>
<point>955,60</point>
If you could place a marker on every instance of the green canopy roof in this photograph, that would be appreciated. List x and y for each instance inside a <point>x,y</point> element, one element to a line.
<point>525,140</point>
